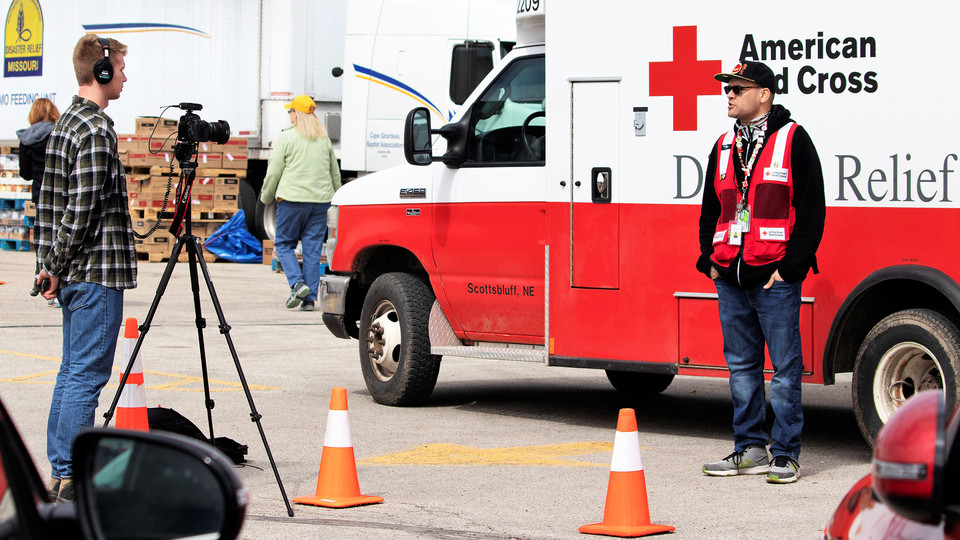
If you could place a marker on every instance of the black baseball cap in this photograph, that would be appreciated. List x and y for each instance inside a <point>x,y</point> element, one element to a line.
<point>755,72</point>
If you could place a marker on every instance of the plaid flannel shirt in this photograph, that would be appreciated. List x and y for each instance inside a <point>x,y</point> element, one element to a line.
<point>83,221</point>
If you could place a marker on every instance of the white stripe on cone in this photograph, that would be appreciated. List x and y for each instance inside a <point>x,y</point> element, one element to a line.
<point>626,452</point>
<point>338,430</point>
<point>133,394</point>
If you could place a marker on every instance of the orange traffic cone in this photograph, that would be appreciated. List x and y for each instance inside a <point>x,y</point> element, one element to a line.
<point>337,484</point>
<point>626,513</point>
<point>132,406</point>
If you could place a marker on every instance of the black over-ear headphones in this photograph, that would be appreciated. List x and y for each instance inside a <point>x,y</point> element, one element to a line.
<point>103,69</point>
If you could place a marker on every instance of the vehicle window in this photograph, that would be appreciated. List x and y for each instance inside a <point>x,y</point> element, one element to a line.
<point>507,124</point>
<point>9,524</point>
<point>471,63</point>
<point>147,490</point>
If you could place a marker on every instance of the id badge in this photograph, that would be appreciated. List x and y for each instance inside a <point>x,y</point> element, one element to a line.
<point>736,234</point>
<point>743,217</point>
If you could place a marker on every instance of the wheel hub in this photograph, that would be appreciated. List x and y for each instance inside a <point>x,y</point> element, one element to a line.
<point>903,371</point>
<point>383,339</point>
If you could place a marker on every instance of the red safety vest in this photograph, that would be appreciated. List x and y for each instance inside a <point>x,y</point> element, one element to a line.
<point>770,195</point>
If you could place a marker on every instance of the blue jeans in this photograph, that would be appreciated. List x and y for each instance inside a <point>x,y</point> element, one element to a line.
<point>92,320</point>
<point>749,319</point>
<point>306,223</point>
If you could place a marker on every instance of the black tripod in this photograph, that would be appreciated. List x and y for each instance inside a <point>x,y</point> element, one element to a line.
<point>195,255</point>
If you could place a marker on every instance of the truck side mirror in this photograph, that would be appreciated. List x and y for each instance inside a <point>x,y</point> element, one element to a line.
<point>146,485</point>
<point>417,147</point>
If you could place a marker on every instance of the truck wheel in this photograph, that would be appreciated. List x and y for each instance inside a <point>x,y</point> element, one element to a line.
<point>266,221</point>
<point>639,384</point>
<point>395,340</point>
<point>905,353</point>
<point>247,201</point>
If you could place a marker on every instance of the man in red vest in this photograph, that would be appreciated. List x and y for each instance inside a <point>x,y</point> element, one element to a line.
<point>760,227</point>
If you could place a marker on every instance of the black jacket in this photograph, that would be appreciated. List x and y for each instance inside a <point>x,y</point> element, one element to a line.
<point>33,150</point>
<point>808,202</point>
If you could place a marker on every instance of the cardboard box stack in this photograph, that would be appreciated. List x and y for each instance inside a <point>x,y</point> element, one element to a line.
<point>215,194</point>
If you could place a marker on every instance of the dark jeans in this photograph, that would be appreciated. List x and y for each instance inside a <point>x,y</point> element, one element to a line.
<point>749,319</point>
<point>305,223</point>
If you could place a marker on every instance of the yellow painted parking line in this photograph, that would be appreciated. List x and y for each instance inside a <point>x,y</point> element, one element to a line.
<point>27,355</point>
<point>453,454</point>
<point>27,378</point>
<point>181,383</point>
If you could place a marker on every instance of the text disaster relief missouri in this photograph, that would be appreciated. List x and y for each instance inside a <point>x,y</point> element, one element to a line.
<point>584,160</point>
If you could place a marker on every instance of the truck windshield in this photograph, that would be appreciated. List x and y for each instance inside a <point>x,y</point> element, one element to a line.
<point>507,122</point>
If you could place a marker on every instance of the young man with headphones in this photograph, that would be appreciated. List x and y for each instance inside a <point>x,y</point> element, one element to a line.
<point>85,247</point>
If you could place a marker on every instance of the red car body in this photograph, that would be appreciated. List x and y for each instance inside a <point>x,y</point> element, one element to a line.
<point>913,490</point>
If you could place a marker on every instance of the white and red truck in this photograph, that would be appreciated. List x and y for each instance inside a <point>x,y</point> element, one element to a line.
<point>554,218</point>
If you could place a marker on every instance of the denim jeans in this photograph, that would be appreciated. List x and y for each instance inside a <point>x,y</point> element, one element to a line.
<point>92,320</point>
<point>749,318</point>
<point>306,223</point>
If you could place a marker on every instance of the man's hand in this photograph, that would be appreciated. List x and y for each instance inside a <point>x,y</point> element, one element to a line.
<point>53,284</point>
<point>713,273</point>
<point>774,277</point>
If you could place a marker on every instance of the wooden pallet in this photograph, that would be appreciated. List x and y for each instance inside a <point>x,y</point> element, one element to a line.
<point>197,216</point>
<point>157,170</point>
<point>14,245</point>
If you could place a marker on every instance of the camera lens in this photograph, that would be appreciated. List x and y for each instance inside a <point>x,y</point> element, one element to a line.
<point>219,131</point>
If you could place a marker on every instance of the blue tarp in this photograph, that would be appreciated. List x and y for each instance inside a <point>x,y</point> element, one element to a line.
<point>233,242</point>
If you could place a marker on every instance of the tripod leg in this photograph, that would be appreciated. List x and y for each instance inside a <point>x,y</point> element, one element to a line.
<point>145,327</point>
<point>254,415</point>
<point>194,253</point>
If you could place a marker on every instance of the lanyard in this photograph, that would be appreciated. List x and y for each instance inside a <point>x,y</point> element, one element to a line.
<point>748,166</point>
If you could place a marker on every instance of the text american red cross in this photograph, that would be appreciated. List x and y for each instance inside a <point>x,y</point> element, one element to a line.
<point>684,78</point>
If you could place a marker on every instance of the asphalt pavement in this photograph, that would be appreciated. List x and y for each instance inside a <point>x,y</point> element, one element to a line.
<point>501,450</point>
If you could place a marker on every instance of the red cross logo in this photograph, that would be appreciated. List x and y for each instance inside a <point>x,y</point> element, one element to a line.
<point>684,78</point>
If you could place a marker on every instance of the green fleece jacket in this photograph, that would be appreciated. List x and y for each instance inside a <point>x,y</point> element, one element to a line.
<point>300,170</point>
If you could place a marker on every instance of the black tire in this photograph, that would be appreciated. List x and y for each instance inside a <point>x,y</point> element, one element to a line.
<point>639,384</point>
<point>906,352</point>
<point>247,201</point>
<point>395,340</point>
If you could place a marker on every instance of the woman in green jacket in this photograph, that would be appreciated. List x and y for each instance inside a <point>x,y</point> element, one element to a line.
<point>302,176</point>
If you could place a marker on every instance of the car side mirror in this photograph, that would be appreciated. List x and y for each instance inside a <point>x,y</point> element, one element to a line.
<point>417,147</point>
<point>909,457</point>
<point>148,485</point>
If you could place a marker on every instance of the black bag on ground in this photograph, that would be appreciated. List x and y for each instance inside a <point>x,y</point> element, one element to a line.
<point>164,419</point>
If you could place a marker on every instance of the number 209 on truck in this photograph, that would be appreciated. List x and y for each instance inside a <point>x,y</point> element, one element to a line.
<point>554,219</point>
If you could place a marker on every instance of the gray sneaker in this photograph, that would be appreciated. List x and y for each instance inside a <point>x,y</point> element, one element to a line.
<point>298,291</point>
<point>751,460</point>
<point>785,470</point>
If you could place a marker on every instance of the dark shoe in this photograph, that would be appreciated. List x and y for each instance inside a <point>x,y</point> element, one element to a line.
<point>298,291</point>
<point>785,470</point>
<point>54,488</point>
<point>307,305</point>
<point>66,491</point>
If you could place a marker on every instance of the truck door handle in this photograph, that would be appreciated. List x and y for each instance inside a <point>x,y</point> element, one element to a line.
<point>601,186</point>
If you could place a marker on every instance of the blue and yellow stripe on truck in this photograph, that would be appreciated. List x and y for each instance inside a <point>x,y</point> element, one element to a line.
<point>133,28</point>
<point>388,81</point>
